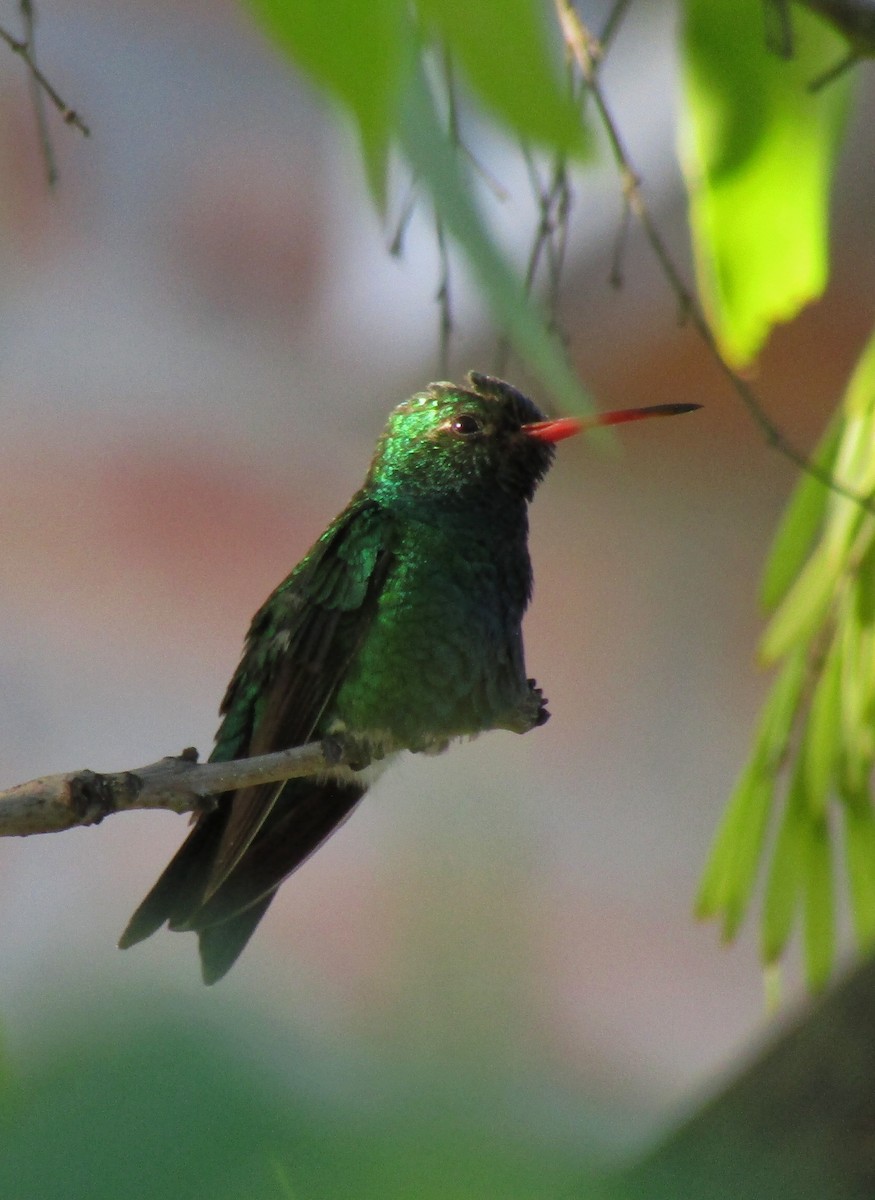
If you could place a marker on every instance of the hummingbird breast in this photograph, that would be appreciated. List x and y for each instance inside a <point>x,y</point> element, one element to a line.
<point>443,657</point>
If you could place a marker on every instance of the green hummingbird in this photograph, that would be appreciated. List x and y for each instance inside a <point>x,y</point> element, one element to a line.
<point>399,630</point>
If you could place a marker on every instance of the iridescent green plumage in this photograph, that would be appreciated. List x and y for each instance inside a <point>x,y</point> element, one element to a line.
<point>400,628</point>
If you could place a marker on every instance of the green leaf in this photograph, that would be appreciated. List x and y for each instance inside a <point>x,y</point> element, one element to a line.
<point>799,524</point>
<point>779,711</point>
<point>759,151</point>
<point>854,711</point>
<point>438,168</point>
<point>821,745</point>
<point>502,47</point>
<point>731,870</point>
<point>803,609</point>
<point>784,886</point>
<point>359,52</point>
<point>860,854</point>
<point>819,927</point>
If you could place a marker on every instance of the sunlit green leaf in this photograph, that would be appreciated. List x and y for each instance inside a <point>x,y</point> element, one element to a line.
<point>799,524</point>
<point>784,885</point>
<point>822,741</point>
<point>718,879</point>
<point>759,153</point>
<point>729,877</point>
<point>360,53</point>
<point>730,871</point>
<point>502,48</point>
<point>857,686</point>
<point>819,924</point>
<point>803,608</point>
<point>779,710</point>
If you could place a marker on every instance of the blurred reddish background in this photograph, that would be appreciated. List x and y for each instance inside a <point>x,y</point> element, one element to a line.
<point>201,333</point>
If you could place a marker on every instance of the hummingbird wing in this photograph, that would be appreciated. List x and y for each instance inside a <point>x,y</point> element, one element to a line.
<point>297,651</point>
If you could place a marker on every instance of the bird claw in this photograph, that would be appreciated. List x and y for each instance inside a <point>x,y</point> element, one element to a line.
<point>542,715</point>
<point>341,748</point>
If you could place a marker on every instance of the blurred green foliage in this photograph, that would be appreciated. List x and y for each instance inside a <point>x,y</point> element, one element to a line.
<point>150,1100</point>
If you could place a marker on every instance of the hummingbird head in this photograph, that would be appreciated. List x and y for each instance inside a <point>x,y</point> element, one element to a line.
<point>454,446</point>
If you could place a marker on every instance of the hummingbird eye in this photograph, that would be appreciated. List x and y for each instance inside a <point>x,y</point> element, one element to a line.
<point>466,425</point>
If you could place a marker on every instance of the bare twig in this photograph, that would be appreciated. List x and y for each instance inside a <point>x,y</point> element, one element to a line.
<point>550,241</point>
<point>396,242</point>
<point>587,52</point>
<point>38,96</point>
<point>615,19</point>
<point>58,802</point>
<point>69,115</point>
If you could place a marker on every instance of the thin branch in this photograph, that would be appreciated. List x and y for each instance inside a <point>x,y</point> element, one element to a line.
<point>69,115</point>
<point>180,784</point>
<point>587,53</point>
<point>38,96</point>
<point>615,19</point>
<point>396,242</point>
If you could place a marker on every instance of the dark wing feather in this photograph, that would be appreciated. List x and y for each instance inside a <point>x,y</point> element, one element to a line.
<point>297,653</point>
<point>298,648</point>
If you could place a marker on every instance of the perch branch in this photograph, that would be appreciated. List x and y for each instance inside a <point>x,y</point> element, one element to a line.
<point>181,784</point>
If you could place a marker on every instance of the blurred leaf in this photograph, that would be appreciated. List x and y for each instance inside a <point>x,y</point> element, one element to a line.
<point>438,168</point>
<point>784,886</point>
<point>360,53</point>
<point>860,852</point>
<point>821,744</point>
<point>794,1125</point>
<point>803,608</point>
<point>756,137</point>
<point>729,876</point>
<point>819,904</point>
<point>857,683</point>
<point>730,872</point>
<point>800,523</point>
<point>502,48</point>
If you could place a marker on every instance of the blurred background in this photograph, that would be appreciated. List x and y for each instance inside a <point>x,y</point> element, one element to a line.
<point>491,976</point>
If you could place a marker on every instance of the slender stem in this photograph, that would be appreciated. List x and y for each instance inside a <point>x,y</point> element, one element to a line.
<point>38,96</point>
<point>70,116</point>
<point>588,52</point>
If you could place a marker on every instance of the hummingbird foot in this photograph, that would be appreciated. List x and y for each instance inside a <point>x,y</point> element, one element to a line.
<point>343,749</point>
<point>542,715</point>
<point>531,713</point>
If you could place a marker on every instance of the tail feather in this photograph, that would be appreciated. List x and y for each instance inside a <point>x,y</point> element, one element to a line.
<point>300,821</point>
<point>303,816</point>
<point>177,892</point>
<point>221,945</point>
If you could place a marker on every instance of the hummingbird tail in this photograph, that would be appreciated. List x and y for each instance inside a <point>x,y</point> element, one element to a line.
<point>221,945</point>
<point>224,908</point>
<point>179,888</point>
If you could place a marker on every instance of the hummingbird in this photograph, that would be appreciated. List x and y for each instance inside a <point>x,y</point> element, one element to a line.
<point>399,630</point>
